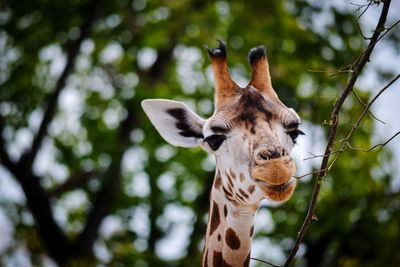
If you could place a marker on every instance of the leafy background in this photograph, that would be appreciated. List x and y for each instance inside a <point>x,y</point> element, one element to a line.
<point>105,190</point>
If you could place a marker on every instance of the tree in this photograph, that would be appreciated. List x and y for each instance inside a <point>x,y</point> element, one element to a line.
<point>99,184</point>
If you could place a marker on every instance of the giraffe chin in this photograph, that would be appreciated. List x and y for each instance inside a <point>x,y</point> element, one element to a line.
<point>280,192</point>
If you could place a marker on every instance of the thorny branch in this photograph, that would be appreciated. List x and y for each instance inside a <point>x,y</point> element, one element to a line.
<point>332,136</point>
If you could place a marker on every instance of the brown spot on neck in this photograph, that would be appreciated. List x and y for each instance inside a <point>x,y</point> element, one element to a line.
<point>225,211</point>
<point>241,177</point>
<point>219,261</point>
<point>214,219</point>
<point>232,240</point>
<point>217,182</point>
<point>251,189</point>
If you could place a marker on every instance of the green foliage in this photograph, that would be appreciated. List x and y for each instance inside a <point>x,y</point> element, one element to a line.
<point>154,49</point>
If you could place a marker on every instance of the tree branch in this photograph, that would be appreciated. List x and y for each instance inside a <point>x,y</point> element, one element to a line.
<point>74,181</point>
<point>375,146</point>
<point>332,136</point>
<point>367,108</point>
<point>103,202</point>
<point>5,159</point>
<point>39,204</point>
<point>37,198</point>
<point>90,12</point>
<point>369,111</point>
<point>265,262</point>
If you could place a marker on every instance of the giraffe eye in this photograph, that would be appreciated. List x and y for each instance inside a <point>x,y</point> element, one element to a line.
<point>215,141</point>
<point>294,134</point>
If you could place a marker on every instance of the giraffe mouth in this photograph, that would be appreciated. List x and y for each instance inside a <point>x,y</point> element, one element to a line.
<point>280,188</point>
<point>279,192</point>
<point>275,171</point>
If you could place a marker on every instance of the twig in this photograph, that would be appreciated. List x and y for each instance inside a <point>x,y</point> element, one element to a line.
<point>313,156</point>
<point>365,10</point>
<point>310,173</point>
<point>332,136</point>
<point>375,146</point>
<point>266,262</point>
<point>366,109</point>
<point>369,111</point>
<point>359,29</point>
<point>387,30</point>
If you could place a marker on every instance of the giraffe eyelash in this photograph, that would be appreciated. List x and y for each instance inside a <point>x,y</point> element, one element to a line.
<point>294,134</point>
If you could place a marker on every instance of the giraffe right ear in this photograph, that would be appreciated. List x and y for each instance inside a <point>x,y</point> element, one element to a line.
<point>175,122</point>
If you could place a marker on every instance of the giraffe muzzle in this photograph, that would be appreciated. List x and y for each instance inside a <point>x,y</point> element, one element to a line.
<point>275,171</point>
<point>274,177</point>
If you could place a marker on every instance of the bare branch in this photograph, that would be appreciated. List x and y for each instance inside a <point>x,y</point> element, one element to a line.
<point>365,9</point>
<point>375,146</point>
<point>332,136</point>
<point>359,29</point>
<point>5,159</point>
<point>369,111</point>
<point>367,108</point>
<point>313,156</point>
<point>387,30</point>
<point>263,261</point>
<point>76,180</point>
<point>310,173</point>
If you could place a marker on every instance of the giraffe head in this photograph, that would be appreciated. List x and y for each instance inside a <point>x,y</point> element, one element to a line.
<point>251,132</point>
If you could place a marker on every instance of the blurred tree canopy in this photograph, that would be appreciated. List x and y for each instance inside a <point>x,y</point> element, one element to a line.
<point>87,181</point>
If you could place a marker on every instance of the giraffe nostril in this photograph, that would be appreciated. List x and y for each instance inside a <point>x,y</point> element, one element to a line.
<point>264,154</point>
<point>272,153</point>
<point>275,154</point>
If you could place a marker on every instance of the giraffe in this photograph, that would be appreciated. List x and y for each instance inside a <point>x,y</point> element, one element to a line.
<point>250,134</point>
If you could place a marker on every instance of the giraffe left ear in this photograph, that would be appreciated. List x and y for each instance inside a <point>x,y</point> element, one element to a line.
<point>175,122</point>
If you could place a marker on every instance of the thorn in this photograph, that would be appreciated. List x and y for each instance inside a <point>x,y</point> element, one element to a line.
<point>315,218</point>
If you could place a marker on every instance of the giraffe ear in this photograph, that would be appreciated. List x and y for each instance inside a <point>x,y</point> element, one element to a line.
<point>175,122</point>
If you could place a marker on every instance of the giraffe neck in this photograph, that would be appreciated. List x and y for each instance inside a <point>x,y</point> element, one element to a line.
<point>229,231</point>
